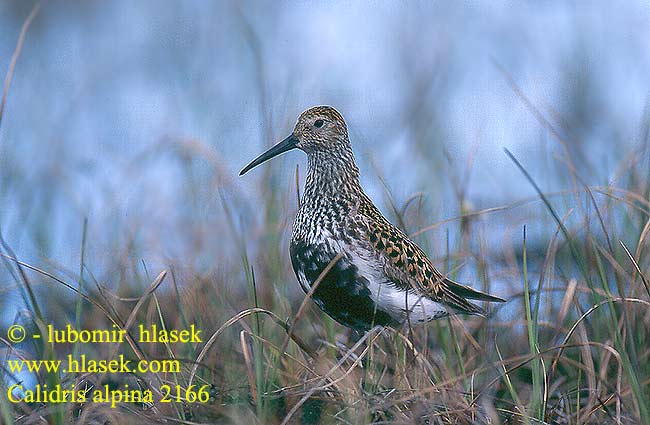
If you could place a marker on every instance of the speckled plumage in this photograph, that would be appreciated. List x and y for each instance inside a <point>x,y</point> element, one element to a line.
<point>381,277</point>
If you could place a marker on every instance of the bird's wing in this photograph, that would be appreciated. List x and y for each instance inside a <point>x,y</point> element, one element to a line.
<point>408,266</point>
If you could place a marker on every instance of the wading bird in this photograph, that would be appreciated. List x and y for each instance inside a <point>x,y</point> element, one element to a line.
<point>379,276</point>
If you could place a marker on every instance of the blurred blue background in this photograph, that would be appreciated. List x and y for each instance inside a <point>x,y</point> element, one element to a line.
<point>139,115</point>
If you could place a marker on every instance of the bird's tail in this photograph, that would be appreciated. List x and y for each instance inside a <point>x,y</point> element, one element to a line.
<point>472,294</point>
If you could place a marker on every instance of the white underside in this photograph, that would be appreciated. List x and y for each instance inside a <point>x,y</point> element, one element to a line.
<point>405,305</point>
<point>401,305</point>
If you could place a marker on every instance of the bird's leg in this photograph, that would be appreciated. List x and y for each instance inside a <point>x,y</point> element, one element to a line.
<point>354,336</point>
<point>349,346</point>
<point>367,383</point>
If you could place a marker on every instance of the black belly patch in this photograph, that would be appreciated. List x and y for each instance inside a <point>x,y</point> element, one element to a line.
<point>343,293</point>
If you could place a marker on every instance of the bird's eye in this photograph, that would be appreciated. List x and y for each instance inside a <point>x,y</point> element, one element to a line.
<point>319,123</point>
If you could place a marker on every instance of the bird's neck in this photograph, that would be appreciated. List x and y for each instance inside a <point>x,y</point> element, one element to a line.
<point>331,175</point>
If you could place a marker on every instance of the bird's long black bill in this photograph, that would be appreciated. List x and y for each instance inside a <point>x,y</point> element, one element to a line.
<point>285,145</point>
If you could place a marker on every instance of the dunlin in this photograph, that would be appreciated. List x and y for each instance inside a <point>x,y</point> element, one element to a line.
<point>379,275</point>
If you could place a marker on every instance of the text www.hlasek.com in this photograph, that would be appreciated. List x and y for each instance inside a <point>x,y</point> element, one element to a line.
<point>84,365</point>
<point>57,394</point>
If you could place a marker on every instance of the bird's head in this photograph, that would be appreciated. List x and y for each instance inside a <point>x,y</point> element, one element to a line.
<point>320,129</point>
